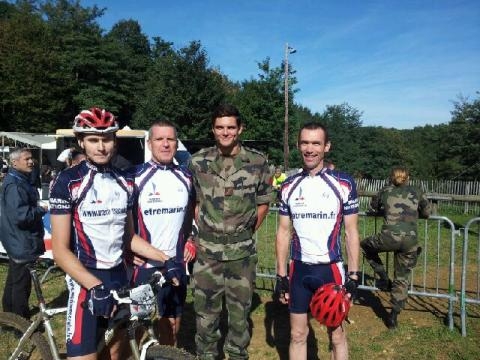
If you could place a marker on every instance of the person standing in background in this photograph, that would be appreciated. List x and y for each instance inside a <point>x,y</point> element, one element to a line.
<point>22,230</point>
<point>278,178</point>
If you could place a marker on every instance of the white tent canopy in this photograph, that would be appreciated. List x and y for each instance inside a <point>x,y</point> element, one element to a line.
<point>42,141</point>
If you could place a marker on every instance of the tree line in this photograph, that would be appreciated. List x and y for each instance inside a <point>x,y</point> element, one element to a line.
<point>56,60</point>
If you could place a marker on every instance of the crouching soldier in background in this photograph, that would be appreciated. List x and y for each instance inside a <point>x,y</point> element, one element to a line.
<point>401,205</point>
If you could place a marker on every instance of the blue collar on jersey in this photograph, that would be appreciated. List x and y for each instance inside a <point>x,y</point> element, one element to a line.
<point>306,172</point>
<point>98,168</point>
<point>161,166</point>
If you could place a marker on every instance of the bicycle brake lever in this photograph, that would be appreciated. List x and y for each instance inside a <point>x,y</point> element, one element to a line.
<point>159,278</point>
<point>120,300</point>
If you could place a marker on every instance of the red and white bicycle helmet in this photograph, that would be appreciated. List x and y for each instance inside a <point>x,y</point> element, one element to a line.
<point>330,305</point>
<point>96,121</point>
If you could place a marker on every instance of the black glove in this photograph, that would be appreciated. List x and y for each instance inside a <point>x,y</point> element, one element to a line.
<point>101,302</point>
<point>351,286</point>
<point>174,270</point>
<point>282,286</point>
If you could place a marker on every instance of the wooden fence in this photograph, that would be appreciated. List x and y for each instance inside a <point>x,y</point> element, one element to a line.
<point>461,196</point>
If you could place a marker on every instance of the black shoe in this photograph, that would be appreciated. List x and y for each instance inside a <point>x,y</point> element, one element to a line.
<point>392,322</point>
<point>383,284</point>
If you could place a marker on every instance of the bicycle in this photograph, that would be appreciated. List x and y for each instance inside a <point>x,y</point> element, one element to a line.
<point>23,339</point>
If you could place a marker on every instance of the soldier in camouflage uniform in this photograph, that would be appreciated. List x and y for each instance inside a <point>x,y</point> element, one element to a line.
<point>401,205</point>
<point>233,196</point>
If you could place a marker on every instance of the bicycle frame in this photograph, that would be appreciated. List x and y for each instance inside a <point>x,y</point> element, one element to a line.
<point>43,317</point>
<point>45,314</point>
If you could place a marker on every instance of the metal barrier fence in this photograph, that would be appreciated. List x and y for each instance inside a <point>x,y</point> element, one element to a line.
<point>440,266</point>
<point>470,289</point>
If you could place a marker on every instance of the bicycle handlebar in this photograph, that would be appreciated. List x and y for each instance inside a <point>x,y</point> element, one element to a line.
<point>124,296</point>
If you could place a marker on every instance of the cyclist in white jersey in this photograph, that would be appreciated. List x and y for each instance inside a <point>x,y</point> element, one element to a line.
<point>92,227</point>
<point>317,202</point>
<point>163,215</point>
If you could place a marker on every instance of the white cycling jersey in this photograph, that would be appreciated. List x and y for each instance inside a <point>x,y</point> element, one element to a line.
<point>316,205</point>
<point>98,199</point>
<point>164,193</point>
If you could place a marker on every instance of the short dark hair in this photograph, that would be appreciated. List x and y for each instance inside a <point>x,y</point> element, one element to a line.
<point>313,125</point>
<point>74,153</point>
<point>226,110</point>
<point>162,123</point>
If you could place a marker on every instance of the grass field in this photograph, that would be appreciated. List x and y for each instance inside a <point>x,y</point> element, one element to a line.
<point>422,333</point>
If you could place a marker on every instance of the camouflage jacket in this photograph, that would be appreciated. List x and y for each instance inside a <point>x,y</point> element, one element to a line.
<point>401,206</point>
<point>229,189</point>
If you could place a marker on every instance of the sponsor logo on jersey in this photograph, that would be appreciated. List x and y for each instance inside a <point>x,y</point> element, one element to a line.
<point>300,195</point>
<point>95,200</point>
<point>299,201</point>
<point>154,191</point>
<point>163,211</point>
<point>312,215</point>
<point>104,212</point>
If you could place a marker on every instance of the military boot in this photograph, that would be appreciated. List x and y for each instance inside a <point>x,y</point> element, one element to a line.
<point>392,322</point>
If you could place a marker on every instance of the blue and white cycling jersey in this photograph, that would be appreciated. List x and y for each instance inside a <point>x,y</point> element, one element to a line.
<point>164,193</point>
<point>316,205</point>
<point>98,198</point>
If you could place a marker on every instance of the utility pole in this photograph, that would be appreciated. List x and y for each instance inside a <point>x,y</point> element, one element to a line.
<point>286,148</point>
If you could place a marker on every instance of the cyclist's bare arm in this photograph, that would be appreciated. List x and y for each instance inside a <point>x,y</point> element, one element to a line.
<point>282,244</point>
<point>352,241</point>
<point>64,257</point>
<point>141,247</point>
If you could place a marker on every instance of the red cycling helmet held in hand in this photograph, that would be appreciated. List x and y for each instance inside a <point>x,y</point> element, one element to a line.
<point>330,305</point>
<point>96,121</point>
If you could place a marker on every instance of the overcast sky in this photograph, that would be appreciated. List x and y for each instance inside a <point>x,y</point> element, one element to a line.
<point>402,63</point>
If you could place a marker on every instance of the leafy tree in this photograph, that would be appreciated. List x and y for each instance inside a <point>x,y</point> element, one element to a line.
<point>261,103</point>
<point>30,91</point>
<point>462,142</point>
<point>381,149</point>
<point>343,123</point>
<point>129,34</point>
<point>78,42</point>
<point>6,10</point>
<point>424,144</point>
<point>129,59</point>
<point>181,87</point>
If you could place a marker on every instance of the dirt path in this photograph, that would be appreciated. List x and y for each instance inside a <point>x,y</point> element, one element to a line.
<point>271,327</point>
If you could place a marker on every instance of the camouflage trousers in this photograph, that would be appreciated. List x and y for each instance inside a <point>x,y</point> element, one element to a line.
<point>405,252</point>
<point>215,281</point>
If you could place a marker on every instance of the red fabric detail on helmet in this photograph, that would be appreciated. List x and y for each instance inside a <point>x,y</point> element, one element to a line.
<point>330,305</point>
<point>95,120</point>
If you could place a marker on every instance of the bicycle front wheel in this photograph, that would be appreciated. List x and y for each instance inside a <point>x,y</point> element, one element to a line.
<point>164,352</point>
<point>12,327</point>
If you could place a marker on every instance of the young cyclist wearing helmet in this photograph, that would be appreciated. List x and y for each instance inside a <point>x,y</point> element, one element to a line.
<point>317,201</point>
<point>92,228</point>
